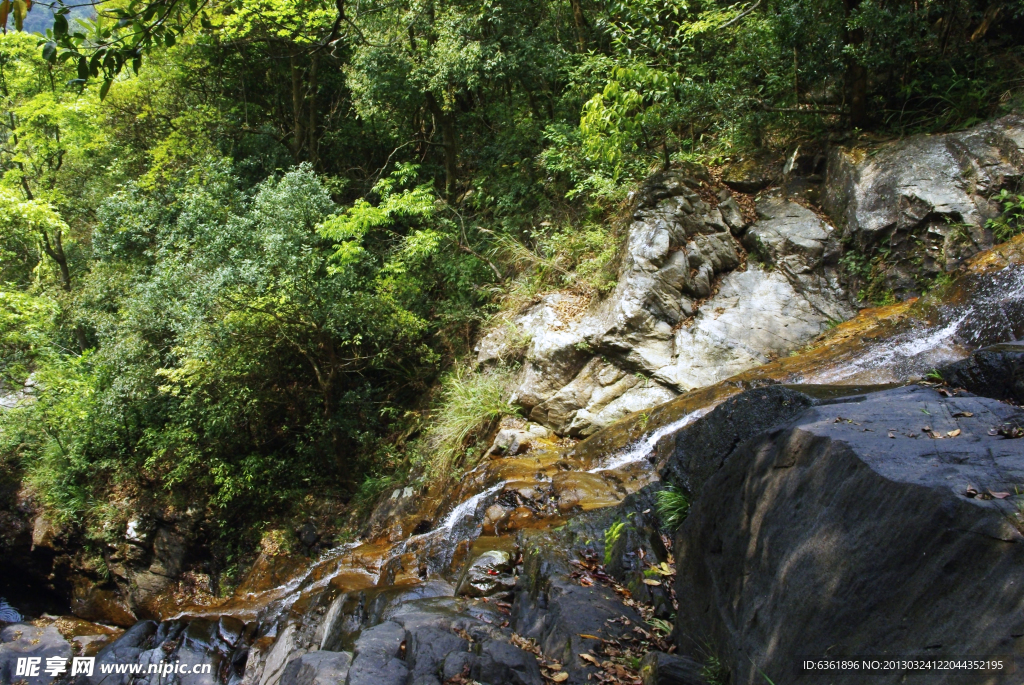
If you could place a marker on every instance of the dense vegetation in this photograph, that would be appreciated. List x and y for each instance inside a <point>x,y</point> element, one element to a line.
<point>241,240</point>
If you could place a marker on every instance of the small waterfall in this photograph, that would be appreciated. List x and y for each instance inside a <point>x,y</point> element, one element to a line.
<point>912,353</point>
<point>994,313</point>
<point>643,447</point>
<point>468,508</point>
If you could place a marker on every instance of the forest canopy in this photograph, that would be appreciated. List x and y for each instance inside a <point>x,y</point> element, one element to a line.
<point>241,240</point>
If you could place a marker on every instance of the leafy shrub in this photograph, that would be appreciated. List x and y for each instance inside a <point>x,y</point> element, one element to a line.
<point>1011,223</point>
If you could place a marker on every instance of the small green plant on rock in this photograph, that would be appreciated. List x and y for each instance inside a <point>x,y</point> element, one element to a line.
<point>611,536</point>
<point>714,671</point>
<point>1011,223</point>
<point>673,506</point>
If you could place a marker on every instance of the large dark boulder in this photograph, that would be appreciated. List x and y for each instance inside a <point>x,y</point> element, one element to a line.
<point>996,371</point>
<point>885,527</point>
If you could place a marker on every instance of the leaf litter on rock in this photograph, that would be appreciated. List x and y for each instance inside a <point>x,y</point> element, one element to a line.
<point>616,657</point>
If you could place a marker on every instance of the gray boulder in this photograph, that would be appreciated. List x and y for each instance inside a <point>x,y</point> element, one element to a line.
<point>877,525</point>
<point>924,198</point>
<point>427,649</point>
<point>25,641</point>
<point>488,575</point>
<point>318,668</point>
<point>377,659</point>
<point>682,316</point>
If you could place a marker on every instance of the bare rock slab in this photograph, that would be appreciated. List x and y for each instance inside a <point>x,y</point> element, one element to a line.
<point>884,525</point>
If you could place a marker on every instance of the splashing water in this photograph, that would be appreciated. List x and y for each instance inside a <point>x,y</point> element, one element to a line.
<point>468,508</point>
<point>8,614</point>
<point>899,358</point>
<point>462,510</point>
<point>645,446</point>
<point>993,313</point>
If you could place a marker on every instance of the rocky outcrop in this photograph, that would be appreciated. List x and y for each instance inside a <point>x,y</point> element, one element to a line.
<point>687,312</point>
<point>874,525</point>
<point>925,199</point>
<point>996,371</point>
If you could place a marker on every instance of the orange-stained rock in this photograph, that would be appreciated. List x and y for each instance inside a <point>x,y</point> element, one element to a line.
<point>90,602</point>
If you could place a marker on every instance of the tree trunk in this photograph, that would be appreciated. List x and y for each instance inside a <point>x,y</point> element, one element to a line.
<point>856,74</point>
<point>55,251</point>
<point>313,141</point>
<point>581,24</point>
<point>448,143</point>
<point>298,96</point>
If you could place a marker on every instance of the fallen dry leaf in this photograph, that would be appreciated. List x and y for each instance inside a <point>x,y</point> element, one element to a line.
<point>589,637</point>
<point>963,414</point>
<point>953,434</point>
<point>560,677</point>
<point>590,659</point>
<point>999,495</point>
<point>651,581</point>
<point>970,492</point>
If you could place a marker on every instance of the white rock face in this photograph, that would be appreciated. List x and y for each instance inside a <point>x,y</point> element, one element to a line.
<point>682,316</point>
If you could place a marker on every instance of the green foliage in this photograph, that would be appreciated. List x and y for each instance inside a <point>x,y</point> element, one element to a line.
<point>611,537</point>
<point>673,506</point>
<point>1011,222</point>
<point>26,327</point>
<point>235,272</point>
<point>237,357</point>
<point>714,671</point>
<point>468,403</point>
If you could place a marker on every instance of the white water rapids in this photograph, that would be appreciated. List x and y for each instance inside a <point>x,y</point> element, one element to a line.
<point>642,448</point>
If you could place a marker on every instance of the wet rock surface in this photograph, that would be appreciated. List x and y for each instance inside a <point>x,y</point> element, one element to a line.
<point>996,371</point>
<point>25,641</point>
<point>880,525</point>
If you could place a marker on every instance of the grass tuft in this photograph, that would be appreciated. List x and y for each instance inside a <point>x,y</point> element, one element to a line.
<point>469,403</point>
<point>673,506</point>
